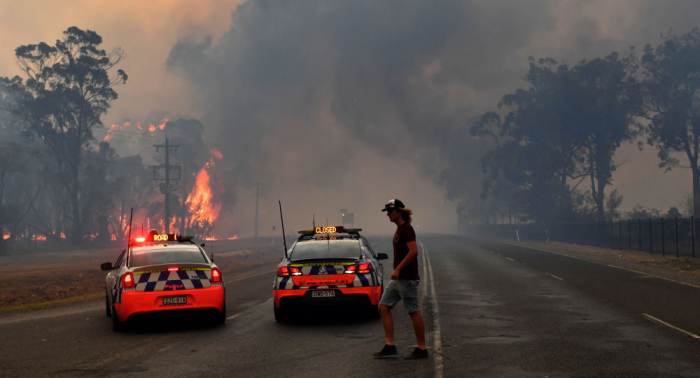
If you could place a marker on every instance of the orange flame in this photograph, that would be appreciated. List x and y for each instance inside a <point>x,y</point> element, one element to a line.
<point>6,236</point>
<point>200,199</point>
<point>234,237</point>
<point>151,128</point>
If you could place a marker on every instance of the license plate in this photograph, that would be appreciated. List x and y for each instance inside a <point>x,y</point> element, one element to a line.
<point>174,300</point>
<point>323,294</point>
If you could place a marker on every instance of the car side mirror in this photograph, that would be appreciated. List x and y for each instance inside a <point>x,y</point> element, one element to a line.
<point>106,266</point>
<point>382,256</point>
<point>202,245</point>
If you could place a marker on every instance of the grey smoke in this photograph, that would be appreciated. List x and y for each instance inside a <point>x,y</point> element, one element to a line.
<point>293,86</point>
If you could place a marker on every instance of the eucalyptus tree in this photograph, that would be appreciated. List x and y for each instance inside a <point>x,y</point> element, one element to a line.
<point>672,101</point>
<point>65,90</point>
<point>541,151</point>
<point>607,101</point>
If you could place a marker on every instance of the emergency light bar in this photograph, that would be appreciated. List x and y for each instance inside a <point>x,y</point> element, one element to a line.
<point>162,238</point>
<point>330,230</point>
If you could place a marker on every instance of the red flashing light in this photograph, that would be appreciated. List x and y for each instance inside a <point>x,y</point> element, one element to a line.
<point>216,277</point>
<point>128,281</point>
<point>140,240</point>
<point>364,268</point>
<point>283,271</point>
<point>175,269</point>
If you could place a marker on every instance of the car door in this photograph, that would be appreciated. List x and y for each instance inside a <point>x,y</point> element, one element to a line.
<point>114,274</point>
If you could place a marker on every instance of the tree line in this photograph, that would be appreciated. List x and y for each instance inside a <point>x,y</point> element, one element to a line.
<point>553,142</point>
<point>57,180</point>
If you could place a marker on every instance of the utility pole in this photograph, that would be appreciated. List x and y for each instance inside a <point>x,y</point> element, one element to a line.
<point>165,188</point>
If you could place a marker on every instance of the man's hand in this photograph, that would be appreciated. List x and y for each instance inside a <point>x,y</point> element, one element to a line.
<point>395,275</point>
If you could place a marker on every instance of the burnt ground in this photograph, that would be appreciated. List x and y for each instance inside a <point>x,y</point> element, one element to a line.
<point>35,278</point>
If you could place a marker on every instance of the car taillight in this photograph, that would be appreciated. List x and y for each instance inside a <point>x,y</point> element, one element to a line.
<point>128,282</point>
<point>350,269</point>
<point>364,268</point>
<point>295,271</point>
<point>216,277</point>
<point>283,271</point>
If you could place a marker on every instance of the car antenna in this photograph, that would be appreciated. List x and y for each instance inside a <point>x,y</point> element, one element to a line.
<point>128,240</point>
<point>284,237</point>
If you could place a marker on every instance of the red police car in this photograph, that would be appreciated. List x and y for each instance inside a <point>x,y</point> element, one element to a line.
<point>328,266</point>
<point>163,275</point>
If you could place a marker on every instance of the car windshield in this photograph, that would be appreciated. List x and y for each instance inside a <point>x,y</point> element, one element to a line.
<point>325,249</point>
<point>165,255</point>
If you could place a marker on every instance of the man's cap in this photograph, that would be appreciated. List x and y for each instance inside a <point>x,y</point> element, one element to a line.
<point>393,204</point>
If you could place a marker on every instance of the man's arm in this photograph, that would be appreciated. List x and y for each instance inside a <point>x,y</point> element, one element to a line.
<point>410,257</point>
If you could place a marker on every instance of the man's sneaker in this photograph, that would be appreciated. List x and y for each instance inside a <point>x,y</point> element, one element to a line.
<point>386,352</point>
<point>417,353</point>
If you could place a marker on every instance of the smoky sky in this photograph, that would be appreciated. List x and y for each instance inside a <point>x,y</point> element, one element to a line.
<point>301,94</point>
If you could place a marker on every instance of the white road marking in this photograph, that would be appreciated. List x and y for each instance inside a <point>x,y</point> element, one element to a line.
<point>233,316</point>
<point>659,321</point>
<point>254,275</point>
<point>437,337</point>
<point>604,264</point>
<point>550,274</point>
<point>510,259</point>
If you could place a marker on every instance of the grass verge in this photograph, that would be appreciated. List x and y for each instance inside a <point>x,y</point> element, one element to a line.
<point>49,304</point>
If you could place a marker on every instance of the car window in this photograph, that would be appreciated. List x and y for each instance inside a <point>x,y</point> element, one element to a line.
<point>166,255</point>
<point>324,249</point>
<point>369,247</point>
<point>120,260</point>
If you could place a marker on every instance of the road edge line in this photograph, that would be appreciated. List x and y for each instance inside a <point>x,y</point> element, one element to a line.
<point>437,336</point>
<point>659,321</point>
<point>604,264</point>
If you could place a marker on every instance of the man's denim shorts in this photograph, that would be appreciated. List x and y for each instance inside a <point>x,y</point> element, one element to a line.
<point>396,290</point>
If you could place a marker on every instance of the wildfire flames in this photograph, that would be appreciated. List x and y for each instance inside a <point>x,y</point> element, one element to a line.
<point>199,201</point>
<point>151,128</point>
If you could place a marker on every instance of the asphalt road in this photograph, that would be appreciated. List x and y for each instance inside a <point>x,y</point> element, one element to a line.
<point>491,309</point>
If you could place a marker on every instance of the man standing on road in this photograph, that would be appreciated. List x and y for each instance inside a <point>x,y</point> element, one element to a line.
<point>403,284</point>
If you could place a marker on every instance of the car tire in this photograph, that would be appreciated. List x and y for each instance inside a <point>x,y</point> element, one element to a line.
<point>108,311</point>
<point>221,318</point>
<point>117,326</point>
<point>281,315</point>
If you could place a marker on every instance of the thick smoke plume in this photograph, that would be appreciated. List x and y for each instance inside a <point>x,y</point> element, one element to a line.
<point>346,104</point>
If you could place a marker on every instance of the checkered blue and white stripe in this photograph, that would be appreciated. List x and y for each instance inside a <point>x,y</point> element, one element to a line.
<point>178,280</point>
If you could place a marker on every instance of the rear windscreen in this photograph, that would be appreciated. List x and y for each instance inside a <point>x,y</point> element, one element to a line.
<point>325,249</point>
<point>167,255</point>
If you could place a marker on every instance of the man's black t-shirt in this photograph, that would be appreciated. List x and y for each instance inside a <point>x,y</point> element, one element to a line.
<point>404,234</point>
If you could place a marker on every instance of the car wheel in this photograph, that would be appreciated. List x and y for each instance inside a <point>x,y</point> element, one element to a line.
<point>117,326</point>
<point>108,311</point>
<point>221,318</point>
<point>281,315</point>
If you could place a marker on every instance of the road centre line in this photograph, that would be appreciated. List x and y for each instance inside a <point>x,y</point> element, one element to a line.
<point>437,338</point>
<point>659,321</point>
<point>550,274</point>
<point>604,264</point>
<point>510,259</point>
